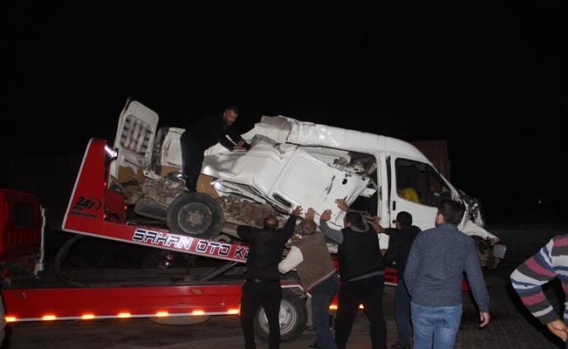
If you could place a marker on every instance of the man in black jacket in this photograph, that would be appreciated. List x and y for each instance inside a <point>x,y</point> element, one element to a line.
<point>262,279</point>
<point>362,274</point>
<point>203,134</point>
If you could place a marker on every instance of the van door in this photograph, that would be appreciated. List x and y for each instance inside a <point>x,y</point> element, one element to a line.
<point>135,135</point>
<point>416,187</point>
<point>309,182</point>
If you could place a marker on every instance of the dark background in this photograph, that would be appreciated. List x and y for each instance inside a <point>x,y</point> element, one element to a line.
<point>488,76</point>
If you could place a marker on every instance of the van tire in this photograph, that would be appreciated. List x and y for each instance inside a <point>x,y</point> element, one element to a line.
<point>293,317</point>
<point>195,214</point>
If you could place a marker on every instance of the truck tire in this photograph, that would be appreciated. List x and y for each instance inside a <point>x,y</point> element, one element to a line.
<point>195,214</point>
<point>293,317</point>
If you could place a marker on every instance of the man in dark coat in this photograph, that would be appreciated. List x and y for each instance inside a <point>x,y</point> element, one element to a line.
<point>262,279</point>
<point>362,274</point>
<point>204,133</point>
<point>400,241</point>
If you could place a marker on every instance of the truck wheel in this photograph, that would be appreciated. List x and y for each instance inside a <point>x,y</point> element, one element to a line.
<point>293,318</point>
<point>195,214</point>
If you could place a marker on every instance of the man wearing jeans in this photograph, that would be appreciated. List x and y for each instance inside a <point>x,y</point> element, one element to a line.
<point>434,271</point>
<point>310,256</point>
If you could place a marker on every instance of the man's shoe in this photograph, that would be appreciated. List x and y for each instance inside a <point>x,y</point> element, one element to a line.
<point>313,346</point>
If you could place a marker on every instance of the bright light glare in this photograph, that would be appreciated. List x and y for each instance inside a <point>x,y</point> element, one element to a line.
<point>110,152</point>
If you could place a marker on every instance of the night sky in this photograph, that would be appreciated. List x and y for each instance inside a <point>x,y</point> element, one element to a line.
<point>488,76</point>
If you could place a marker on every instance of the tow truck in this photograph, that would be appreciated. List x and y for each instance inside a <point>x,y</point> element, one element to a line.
<point>35,290</point>
<point>129,196</point>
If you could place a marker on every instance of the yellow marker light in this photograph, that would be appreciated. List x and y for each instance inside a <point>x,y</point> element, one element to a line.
<point>49,317</point>
<point>10,318</point>
<point>233,311</point>
<point>198,312</point>
<point>162,314</point>
<point>123,315</point>
<point>88,316</point>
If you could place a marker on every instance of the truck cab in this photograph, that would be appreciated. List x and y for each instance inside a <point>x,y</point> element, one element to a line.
<point>21,225</point>
<point>291,162</point>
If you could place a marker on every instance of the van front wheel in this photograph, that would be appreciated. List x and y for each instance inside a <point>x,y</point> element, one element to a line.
<point>195,214</point>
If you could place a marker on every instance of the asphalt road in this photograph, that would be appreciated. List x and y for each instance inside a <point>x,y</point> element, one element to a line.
<point>511,326</point>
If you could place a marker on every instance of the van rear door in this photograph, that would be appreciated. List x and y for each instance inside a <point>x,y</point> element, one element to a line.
<point>135,135</point>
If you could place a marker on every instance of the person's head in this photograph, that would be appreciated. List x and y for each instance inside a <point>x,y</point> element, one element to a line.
<point>307,227</point>
<point>353,219</point>
<point>403,220</point>
<point>449,211</point>
<point>270,222</point>
<point>230,114</point>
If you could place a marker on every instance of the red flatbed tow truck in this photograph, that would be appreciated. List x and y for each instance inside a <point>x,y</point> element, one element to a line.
<point>34,291</point>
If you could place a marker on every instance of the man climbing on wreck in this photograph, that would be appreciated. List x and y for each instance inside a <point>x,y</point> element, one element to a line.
<point>204,133</point>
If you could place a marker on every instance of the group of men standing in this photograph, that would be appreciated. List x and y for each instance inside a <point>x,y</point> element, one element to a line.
<point>431,264</point>
<point>428,298</point>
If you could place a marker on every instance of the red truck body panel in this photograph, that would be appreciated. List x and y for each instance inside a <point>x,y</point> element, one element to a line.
<point>89,303</point>
<point>117,302</point>
<point>20,225</point>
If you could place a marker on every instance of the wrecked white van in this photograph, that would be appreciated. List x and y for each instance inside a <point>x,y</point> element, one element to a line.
<point>291,162</point>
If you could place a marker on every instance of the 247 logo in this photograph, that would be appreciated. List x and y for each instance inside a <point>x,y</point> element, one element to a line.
<point>87,204</point>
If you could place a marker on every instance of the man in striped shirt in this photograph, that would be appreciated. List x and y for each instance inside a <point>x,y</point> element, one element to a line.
<point>550,262</point>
